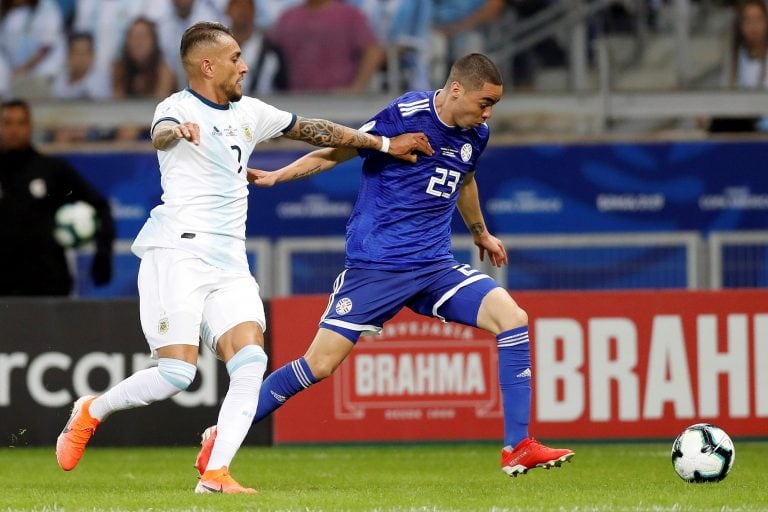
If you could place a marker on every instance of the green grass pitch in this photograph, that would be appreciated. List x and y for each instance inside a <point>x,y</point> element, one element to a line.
<point>601,477</point>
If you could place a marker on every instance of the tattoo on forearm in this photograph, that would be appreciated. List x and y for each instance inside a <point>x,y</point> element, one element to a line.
<point>322,133</point>
<point>310,172</point>
<point>477,228</point>
<point>164,138</point>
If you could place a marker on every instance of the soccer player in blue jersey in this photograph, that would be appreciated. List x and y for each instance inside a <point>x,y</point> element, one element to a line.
<point>398,251</point>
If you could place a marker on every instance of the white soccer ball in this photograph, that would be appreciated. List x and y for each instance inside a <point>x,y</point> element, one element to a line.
<point>703,453</point>
<point>75,224</point>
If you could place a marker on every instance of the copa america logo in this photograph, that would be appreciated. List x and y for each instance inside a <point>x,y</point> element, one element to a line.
<point>344,306</point>
<point>466,152</point>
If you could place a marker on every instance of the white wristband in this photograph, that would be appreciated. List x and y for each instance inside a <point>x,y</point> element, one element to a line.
<point>384,144</point>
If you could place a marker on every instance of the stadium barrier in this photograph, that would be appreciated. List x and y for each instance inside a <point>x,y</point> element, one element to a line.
<point>54,350</point>
<point>616,261</point>
<point>607,365</point>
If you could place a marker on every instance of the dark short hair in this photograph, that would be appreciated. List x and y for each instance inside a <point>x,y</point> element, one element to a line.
<point>474,70</point>
<point>76,36</point>
<point>201,33</point>
<point>15,103</point>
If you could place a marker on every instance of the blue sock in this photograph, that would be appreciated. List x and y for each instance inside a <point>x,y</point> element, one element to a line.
<point>515,381</point>
<point>281,385</point>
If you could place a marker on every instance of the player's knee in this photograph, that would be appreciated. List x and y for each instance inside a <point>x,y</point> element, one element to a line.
<point>321,367</point>
<point>322,371</point>
<point>177,372</point>
<point>499,312</point>
<point>518,316</point>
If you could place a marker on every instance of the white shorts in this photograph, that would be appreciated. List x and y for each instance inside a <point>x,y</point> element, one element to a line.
<point>183,299</point>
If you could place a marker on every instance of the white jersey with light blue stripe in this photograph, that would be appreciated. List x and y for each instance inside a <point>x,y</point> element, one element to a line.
<point>205,189</point>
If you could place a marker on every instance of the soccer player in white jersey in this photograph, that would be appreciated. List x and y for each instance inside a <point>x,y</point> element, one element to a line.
<point>194,279</point>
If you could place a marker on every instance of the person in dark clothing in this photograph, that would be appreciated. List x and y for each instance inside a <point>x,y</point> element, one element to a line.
<point>32,188</point>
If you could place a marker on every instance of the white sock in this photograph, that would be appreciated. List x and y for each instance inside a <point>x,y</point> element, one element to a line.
<point>141,388</point>
<point>246,372</point>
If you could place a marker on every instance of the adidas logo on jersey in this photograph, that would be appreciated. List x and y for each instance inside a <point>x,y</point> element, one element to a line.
<point>216,131</point>
<point>523,374</point>
<point>279,398</point>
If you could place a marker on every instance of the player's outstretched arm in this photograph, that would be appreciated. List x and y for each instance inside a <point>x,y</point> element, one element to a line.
<point>327,134</point>
<point>166,133</point>
<point>308,165</point>
<point>468,204</point>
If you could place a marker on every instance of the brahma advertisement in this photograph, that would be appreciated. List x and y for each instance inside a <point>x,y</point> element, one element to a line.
<point>607,365</point>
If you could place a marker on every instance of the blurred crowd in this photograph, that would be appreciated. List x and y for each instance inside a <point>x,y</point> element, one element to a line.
<point>101,49</point>
<point>124,49</point>
<point>117,49</point>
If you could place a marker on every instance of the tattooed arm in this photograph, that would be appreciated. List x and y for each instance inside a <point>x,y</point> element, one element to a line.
<point>313,163</point>
<point>468,204</point>
<point>326,134</point>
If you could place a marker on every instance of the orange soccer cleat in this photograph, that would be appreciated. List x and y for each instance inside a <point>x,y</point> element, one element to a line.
<point>72,441</point>
<point>529,454</point>
<point>220,481</point>
<point>206,447</point>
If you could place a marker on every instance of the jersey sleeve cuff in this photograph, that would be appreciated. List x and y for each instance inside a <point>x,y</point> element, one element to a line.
<point>152,130</point>
<point>290,125</point>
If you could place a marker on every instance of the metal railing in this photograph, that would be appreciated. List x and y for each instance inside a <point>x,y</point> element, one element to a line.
<point>738,259</point>
<point>548,262</point>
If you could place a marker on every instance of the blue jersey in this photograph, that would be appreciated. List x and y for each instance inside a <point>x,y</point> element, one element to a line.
<point>402,217</point>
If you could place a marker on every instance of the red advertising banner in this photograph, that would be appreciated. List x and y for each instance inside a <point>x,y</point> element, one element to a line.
<point>606,365</point>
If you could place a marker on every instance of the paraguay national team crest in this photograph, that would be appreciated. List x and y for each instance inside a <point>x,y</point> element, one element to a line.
<point>466,152</point>
<point>343,306</point>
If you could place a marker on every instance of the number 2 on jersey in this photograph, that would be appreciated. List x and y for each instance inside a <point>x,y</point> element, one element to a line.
<point>443,178</point>
<point>239,154</point>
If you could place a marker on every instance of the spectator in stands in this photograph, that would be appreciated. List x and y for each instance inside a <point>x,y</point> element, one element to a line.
<point>80,79</point>
<point>266,72</point>
<point>746,65</point>
<point>176,17</point>
<point>32,38</point>
<point>459,29</point>
<point>328,46</point>
<point>269,11</point>
<point>404,27</point>
<point>32,188</point>
<point>107,21</point>
<point>141,71</point>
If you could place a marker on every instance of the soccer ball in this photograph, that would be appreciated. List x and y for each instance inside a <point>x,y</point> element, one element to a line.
<point>75,224</point>
<point>703,453</point>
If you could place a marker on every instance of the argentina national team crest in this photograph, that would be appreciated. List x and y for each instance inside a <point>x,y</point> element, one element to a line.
<point>163,325</point>
<point>466,152</point>
<point>247,132</point>
<point>343,306</point>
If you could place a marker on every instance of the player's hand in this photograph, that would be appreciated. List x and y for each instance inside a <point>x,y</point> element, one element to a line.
<point>406,145</point>
<point>188,131</point>
<point>497,254</point>
<point>262,178</point>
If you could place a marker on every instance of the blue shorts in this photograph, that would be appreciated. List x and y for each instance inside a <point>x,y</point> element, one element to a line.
<point>363,299</point>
